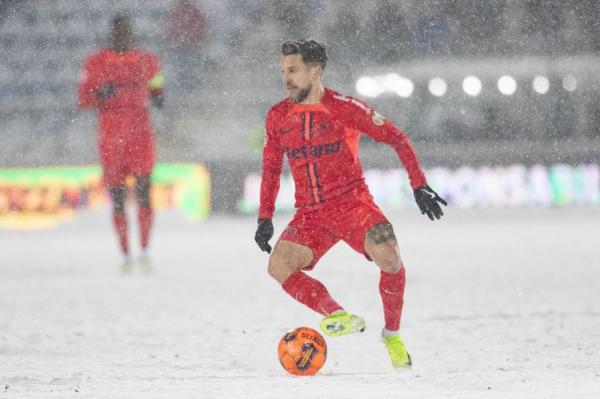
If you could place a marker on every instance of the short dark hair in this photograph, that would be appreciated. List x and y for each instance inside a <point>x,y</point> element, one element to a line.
<point>312,52</point>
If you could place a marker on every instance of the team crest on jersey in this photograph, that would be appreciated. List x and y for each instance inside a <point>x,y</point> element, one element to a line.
<point>378,119</point>
<point>324,127</point>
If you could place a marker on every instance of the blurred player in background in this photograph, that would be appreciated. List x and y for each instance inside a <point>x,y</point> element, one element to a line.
<point>118,81</point>
<point>318,130</point>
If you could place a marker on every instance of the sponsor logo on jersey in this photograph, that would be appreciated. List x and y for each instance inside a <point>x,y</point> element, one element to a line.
<point>313,151</point>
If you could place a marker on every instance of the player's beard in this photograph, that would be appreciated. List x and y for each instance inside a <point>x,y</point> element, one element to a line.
<point>302,94</point>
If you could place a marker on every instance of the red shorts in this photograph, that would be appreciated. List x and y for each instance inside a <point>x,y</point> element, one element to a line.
<point>119,161</point>
<point>348,219</point>
<point>126,146</point>
<point>117,171</point>
<point>129,161</point>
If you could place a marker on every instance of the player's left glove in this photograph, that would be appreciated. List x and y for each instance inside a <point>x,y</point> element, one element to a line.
<point>427,199</point>
<point>264,232</point>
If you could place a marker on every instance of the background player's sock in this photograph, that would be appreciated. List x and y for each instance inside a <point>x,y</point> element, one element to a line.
<point>391,288</point>
<point>311,293</point>
<point>145,220</point>
<point>120,222</point>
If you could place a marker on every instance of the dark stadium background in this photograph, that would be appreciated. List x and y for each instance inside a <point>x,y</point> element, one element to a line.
<point>219,89</point>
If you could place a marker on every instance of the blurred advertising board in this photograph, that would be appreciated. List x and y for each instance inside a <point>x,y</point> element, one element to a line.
<point>465,187</point>
<point>42,197</point>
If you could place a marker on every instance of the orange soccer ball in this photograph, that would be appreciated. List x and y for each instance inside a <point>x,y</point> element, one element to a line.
<point>302,351</point>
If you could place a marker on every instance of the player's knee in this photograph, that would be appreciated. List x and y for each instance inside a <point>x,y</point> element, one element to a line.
<point>277,268</point>
<point>283,264</point>
<point>391,266</point>
<point>389,261</point>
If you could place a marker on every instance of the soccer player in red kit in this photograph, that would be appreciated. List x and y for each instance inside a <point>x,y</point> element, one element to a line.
<point>119,81</point>
<point>318,130</point>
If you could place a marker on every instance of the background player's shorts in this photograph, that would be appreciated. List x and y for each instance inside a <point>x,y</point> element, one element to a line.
<point>348,219</point>
<point>116,173</point>
<point>126,146</point>
<point>116,169</point>
<point>120,161</point>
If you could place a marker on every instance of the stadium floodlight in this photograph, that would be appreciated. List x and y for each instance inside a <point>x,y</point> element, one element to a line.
<point>399,85</point>
<point>368,87</point>
<point>472,86</point>
<point>391,82</point>
<point>437,87</point>
<point>569,83</point>
<point>541,84</point>
<point>507,85</point>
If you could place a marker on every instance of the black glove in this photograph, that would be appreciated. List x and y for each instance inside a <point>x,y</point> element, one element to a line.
<point>264,232</point>
<point>158,100</point>
<point>106,91</point>
<point>427,199</point>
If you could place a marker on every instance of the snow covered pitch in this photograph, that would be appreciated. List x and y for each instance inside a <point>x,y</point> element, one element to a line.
<point>499,304</point>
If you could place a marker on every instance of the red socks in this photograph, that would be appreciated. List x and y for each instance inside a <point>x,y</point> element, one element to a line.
<point>311,293</point>
<point>391,288</point>
<point>120,222</point>
<point>145,219</point>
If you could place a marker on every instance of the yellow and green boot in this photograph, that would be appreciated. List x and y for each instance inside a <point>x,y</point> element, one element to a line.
<point>342,323</point>
<point>395,347</point>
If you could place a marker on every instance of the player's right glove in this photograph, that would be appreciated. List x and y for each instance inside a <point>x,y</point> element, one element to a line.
<point>427,199</point>
<point>264,232</point>
<point>106,91</point>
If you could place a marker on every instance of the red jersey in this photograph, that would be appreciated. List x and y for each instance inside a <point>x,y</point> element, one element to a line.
<point>321,143</point>
<point>124,121</point>
<point>134,74</point>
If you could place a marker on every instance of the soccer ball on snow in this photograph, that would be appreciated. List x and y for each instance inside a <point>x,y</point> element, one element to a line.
<point>302,351</point>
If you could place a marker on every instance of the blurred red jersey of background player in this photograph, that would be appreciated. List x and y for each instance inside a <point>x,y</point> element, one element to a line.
<point>119,81</point>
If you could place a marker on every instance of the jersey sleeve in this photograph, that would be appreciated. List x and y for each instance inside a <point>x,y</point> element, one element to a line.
<point>271,173</point>
<point>156,79</point>
<point>368,121</point>
<point>88,84</point>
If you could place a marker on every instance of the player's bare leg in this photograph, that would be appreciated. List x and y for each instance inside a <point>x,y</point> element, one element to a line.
<point>287,258</point>
<point>118,195</point>
<point>145,215</point>
<point>286,264</point>
<point>381,245</point>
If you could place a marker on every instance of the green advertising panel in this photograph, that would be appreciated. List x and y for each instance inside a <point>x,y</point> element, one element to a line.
<point>42,197</point>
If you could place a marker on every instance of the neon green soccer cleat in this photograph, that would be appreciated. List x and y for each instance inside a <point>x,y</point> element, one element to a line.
<point>342,323</point>
<point>395,347</point>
